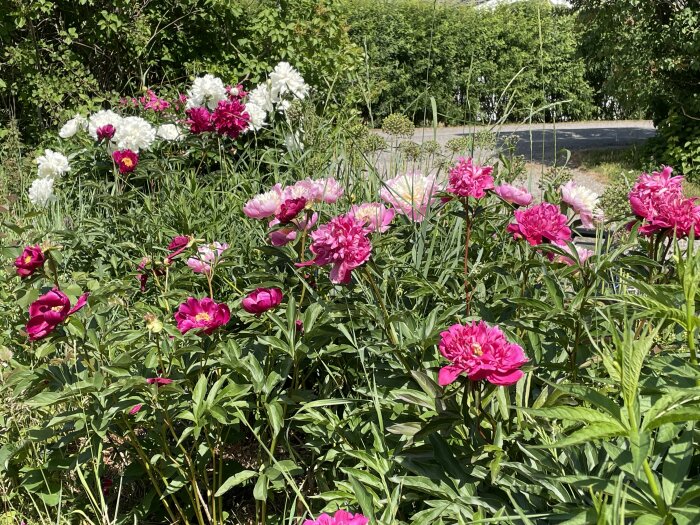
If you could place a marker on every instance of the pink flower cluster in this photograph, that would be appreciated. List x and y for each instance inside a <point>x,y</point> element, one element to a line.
<point>312,191</point>
<point>341,517</point>
<point>470,180</point>
<point>481,352</point>
<point>658,200</point>
<point>343,242</point>
<point>207,255</point>
<point>154,102</point>
<point>375,215</point>
<point>541,223</point>
<point>230,117</point>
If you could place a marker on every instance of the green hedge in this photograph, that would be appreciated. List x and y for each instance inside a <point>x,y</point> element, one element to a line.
<point>467,58</point>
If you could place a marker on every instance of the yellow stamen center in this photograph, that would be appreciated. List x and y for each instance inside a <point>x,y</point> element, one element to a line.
<point>476,349</point>
<point>127,162</point>
<point>202,316</point>
<point>28,259</point>
<point>57,308</point>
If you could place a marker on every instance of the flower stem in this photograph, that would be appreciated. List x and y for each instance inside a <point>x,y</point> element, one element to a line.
<point>468,228</point>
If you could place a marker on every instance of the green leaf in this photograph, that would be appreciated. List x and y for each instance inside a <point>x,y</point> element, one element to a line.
<point>234,481</point>
<point>592,432</point>
<point>677,465</point>
<point>582,414</point>
<point>363,498</point>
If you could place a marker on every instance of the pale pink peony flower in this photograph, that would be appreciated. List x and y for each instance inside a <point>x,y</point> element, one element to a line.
<point>265,204</point>
<point>319,190</point>
<point>540,223</point>
<point>341,517</point>
<point>513,194</point>
<point>207,255</point>
<point>582,254</point>
<point>203,315</point>
<point>480,352</point>
<point>582,200</point>
<point>411,194</point>
<point>375,215</point>
<point>343,243</point>
<point>470,180</point>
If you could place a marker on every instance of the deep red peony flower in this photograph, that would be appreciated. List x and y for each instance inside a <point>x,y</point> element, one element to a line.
<point>126,160</point>
<point>31,260</point>
<point>289,209</point>
<point>199,120</point>
<point>230,118</point>
<point>50,310</point>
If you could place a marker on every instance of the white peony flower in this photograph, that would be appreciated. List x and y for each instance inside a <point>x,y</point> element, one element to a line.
<point>169,132</point>
<point>103,118</point>
<point>41,192</point>
<point>206,91</point>
<point>71,127</point>
<point>257,116</point>
<point>261,97</point>
<point>583,201</point>
<point>134,133</point>
<point>52,164</point>
<point>285,79</point>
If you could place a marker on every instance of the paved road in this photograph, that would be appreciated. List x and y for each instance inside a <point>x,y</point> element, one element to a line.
<point>540,142</point>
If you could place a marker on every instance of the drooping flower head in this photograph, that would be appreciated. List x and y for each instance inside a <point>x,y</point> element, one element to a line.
<point>52,165</point>
<point>375,215</point>
<point>50,310</point>
<point>202,315</point>
<point>470,180</point>
<point>200,120</point>
<point>31,259</point>
<point>341,517</point>
<point>411,194</point>
<point>480,352</point>
<point>261,300</point>
<point>541,223</point>
<point>342,242</point>
<point>206,91</point>
<point>513,194</point>
<point>126,160</point>
<point>230,118</point>
<point>582,200</point>
<point>207,255</point>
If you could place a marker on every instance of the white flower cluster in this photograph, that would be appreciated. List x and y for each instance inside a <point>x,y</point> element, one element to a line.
<point>134,133</point>
<point>206,91</point>
<point>170,132</point>
<point>51,166</point>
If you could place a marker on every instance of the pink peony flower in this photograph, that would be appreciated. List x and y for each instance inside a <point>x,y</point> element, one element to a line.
<point>319,190</point>
<point>289,209</point>
<point>470,180</point>
<point>513,194</point>
<point>230,118</point>
<point>343,243</point>
<point>582,254</point>
<point>650,192</point>
<point>341,517</point>
<point>480,352</point>
<point>153,102</point>
<point>261,300</point>
<point>411,194</point>
<point>199,120</point>
<point>265,204</point>
<point>158,381</point>
<point>137,408</point>
<point>206,256</point>
<point>582,200</point>
<point>375,215</point>
<point>50,310</point>
<point>677,214</point>
<point>31,259</point>
<point>105,132</point>
<point>126,160</point>
<point>540,223</point>
<point>203,315</point>
<point>287,234</point>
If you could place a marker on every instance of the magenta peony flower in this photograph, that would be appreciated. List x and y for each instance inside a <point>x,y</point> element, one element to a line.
<point>341,517</point>
<point>203,315</point>
<point>582,200</point>
<point>540,223</point>
<point>470,180</point>
<point>126,160</point>
<point>287,234</point>
<point>230,118</point>
<point>375,215</point>
<point>265,204</point>
<point>177,245</point>
<point>199,120</point>
<point>343,243</point>
<point>513,194</point>
<point>480,352</point>
<point>650,192</point>
<point>206,256</point>
<point>677,214</point>
<point>50,310</point>
<point>105,132</point>
<point>289,209</point>
<point>158,381</point>
<point>262,300</point>
<point>137,408</point>
<point>411,194</point>
<point>31,259</point>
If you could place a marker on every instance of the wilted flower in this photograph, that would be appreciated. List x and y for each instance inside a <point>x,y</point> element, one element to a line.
<point>261,300</point>
<point>582,200</point>
<point>31,259</point>
<point>341,517</point>
<point>480,352</point>
<point>230,118</point>
<point>540,223</point>
<point>513,194</point>
<point>200,120</point>
<point>50,310</point>
<point>102,118</point>
<point>126,160</point>
<point>470,180</point>
<point>206,91</point>
<point>41,192</point>
<point>202,315</point>
<point>153,324</point>
<point>411,194</point>
<point>70,128</point>
<point>52,164</point>
<point>375,215</point>
<point>134,133</point>
<point>343,243</point>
